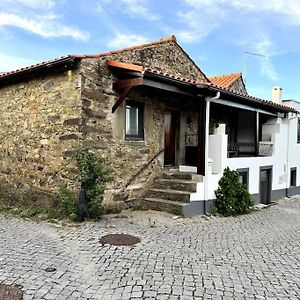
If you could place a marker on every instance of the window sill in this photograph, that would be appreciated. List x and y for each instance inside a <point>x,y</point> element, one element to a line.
<point>134,139</point>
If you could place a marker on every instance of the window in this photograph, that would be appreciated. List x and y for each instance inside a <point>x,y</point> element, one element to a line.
<point>244,177</point>
<point>293,177</point>
<point>298,131</point>
<point>134,121</point>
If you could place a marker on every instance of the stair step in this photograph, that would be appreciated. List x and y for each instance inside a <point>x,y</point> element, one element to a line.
<point>177,175</point>
<point>168,194</point>
<point>176,184</point>
<point>182,176</point>
<point>173,207</point>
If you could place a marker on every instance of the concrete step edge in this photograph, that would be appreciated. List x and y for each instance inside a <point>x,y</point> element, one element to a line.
<point>158,200</point>
<point>175,180</point>
<point>169,191</point>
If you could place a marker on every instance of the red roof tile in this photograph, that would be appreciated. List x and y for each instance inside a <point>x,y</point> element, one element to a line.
<point>226,80</point>
<point>126,66</point>
<point>168,39</point>
<point>41,64</point>
<point>171,38</point>
<point>219,87</point>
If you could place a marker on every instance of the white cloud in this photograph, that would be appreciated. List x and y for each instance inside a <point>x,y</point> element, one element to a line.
<point>268,69</point>
<point>32,4</point>
<point>101,5</point>
<point>197,27</point>
<point>282,8</point>
<point>246,24</point>
<point>265,46</point>
<point>46,26</point>
<point>122,40</point>
<point>133,8</point>
<point>139,8</point>
<point>187,36</point>
<point>46,4</point>
<point>10,63</point>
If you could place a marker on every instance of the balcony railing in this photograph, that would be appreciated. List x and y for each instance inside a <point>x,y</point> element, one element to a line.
<point>247,149</point>
<point>265,148</point>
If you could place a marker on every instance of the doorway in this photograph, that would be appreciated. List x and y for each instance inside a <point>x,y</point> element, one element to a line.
<point>171,132</point>
<point>265,185</point>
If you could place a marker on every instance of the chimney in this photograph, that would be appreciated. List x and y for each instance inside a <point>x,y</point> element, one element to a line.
<point>277,94</point>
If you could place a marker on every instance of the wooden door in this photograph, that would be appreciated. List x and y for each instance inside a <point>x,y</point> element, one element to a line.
<point>265,186</point>
<point>170,138</point>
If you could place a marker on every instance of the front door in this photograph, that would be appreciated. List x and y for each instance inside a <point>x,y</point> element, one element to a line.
<point>171,122</point>
<point>265,185</point>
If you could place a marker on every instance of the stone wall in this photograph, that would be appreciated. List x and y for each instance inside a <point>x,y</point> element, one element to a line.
<point>167,57</point>
<point>104,130</point>
<point>39,125</point>
<point>238,86</point>
<point>44,119</point>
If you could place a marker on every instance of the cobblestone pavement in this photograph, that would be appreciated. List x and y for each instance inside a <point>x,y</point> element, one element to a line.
<point>256,256</point>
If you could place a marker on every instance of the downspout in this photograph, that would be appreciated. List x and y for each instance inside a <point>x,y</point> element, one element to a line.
<point>207,114</point>
<point>289,118</point>
<point>287,156</point>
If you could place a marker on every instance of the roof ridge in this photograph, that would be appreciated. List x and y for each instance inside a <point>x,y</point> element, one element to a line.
<point>195,82</point>
<point>171,38</point>
<point>224,75</point>
<point>226,80</point>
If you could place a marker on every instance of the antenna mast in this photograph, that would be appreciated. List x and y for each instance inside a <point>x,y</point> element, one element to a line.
<point>245,61</point>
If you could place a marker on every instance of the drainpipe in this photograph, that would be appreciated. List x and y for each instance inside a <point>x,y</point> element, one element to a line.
<point>289,118</point>
<point>207,114</point>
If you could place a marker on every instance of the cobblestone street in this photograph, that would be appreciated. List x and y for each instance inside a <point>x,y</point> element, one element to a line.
<point>256,256</point>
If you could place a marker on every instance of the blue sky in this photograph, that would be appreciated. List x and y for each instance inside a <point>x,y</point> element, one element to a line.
<point>215,33</point>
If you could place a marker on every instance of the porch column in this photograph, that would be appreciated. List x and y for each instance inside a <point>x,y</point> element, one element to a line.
<point>201,137</point>
<point>257,133</point>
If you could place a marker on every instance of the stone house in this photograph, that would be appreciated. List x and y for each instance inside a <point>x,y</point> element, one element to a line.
<point>164,128</point>
<point>232,81</point>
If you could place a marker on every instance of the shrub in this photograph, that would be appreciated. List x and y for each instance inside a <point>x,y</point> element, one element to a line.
<point>232,197</point>
<point>92,177</point>
<point>69,207</point>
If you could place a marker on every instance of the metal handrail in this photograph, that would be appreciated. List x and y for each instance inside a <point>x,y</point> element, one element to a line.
<point>146,165</point>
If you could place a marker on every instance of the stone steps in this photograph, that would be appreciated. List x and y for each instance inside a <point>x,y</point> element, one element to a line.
<point>174,195</point>
<point>172,207</point>
<point>171,191</point>
<point>176,184</point>
<point>181,175</point>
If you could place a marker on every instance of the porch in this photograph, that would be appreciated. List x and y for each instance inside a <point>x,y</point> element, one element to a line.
<point>199,128</point>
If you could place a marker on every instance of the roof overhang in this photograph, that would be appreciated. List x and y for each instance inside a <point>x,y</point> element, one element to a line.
<point>60,64</point>
<point>129,76</point>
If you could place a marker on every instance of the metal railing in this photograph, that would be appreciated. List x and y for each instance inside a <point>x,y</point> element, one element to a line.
<point>247,149</point>
<point>265,148</point>
<point>144,167</point>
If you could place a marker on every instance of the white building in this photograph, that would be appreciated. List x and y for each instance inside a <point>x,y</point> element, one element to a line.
<point>270,175</point>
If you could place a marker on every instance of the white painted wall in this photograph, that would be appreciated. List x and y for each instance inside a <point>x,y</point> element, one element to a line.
<point>293,149</point>
<point>286,155</point>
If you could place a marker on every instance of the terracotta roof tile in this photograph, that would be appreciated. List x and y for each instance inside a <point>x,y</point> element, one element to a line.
<point>225,89</point>
<point>225,80</point>
<point>171,38</point>
<point>126,66</point>
<point>41,64</point>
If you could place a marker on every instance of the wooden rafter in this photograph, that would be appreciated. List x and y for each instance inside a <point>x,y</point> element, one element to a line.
<point>123,84</point>
<point>123,95</point>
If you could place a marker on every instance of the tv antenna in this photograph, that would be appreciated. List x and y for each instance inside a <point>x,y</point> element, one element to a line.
<point>246,53</point>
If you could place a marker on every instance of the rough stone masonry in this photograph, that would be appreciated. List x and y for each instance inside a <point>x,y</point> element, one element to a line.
<point>50,114</point>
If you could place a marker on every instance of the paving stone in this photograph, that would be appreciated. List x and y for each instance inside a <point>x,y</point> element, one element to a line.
<point>256,256</point>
